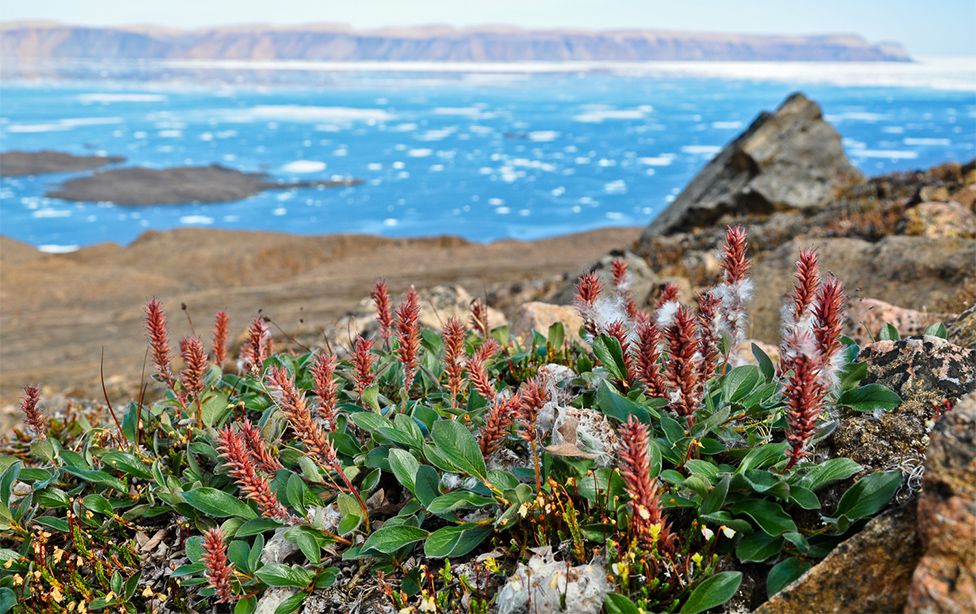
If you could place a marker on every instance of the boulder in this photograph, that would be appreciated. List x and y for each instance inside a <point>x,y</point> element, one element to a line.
<point>536,316</point>
<point>962,329</point>
<point>939,220</point>
<point>925,372</point>
<point>966,197</point>
<point>945,578</point>
<point>788,159</point>
<point>868,572</point>
<point>866,317</point>
<point>643,281</point>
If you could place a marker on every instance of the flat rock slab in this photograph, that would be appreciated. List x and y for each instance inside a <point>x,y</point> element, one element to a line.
<point>24,163</point>
<point>178,185</point>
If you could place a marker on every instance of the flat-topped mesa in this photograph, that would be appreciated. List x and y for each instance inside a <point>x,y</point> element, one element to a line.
<point>788,159</point>
<point>179,185</point>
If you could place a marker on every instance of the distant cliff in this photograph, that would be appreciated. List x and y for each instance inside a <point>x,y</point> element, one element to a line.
<point>328,42</point>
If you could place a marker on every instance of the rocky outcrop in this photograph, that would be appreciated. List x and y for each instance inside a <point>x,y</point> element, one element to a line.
<point>962,329</point>
<point>866,317</point>
<point>184,184</point>
<point>21,163</point>
<point>536,316</point>
<point>788,159</point>
<point>945,579</point>
<point>868,572</point>
<point>940,219</point>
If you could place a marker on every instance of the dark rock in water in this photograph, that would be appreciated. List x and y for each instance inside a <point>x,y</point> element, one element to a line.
<point>868,572</point>
<point>945,579</point>
<point>925,372</point>
<point>789,159</point>
<point>184,184</point>
<point>22,163</point>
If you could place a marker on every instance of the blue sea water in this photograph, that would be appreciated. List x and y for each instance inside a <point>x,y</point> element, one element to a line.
<point>481,155</point>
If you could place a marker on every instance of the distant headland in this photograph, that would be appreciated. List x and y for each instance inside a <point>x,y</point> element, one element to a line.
<point>28,41</point>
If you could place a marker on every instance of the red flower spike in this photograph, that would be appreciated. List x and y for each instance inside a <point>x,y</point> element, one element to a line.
<point>219,348</point>
<point>647,356</point>
<point>588,290</point>
<point>159,340</point>
<point>323,374</point>
<point>454,333</point>
<point>478,372</point>
<point>479,318</point>
<point>668,293</point>
<point>408,335</point>
<point>194,366</point>
<point>384,312</point>
<point>32,414</point>
<point>643,491</point>
<point>257,348</point>
<point>294,405</point>
<point>735,263</point>
<point>682,369</point>
<point>258,449</point>
<point>807,278</point>
<point>828,313</point>
<point>498,423</point>
<point>241,467</point>
<point>708,340</point>
<point>362,362</point>
<point>218,570</point>
<point>534,395</point>
<point>804,403</point>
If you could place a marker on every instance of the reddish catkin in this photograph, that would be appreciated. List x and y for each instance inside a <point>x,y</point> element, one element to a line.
<point>707,335</point>
<point>194,365</point>
<point>219,348</point>
<point>241,467</point>
<point>454,333</point>
<point>735,262</point>
<point>668,294</point>
<point>621,282</point>
<point>682,368</point>
<point>618,331</point>
<point>534,395</point>
<point>479,318</point>
<point>478,375</point>
<point>828,314</point>
<point>587,292</point>
<point>323,374</point>
<point>647,357</point>
<point>643,491</point>
<point>804,404</point>
<point>257,348</point>
<point>362,362</point>
<point>384,311</point>
<point>158,340</point>
<point>219,571</point>
<point>498,423</point>
<point>807,278</point>
<point>266,461</point>
<point>32,413</point>
<point>293,403</point>
<point>408,335</point>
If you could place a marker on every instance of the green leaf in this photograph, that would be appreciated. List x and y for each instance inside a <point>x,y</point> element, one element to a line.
<point>615,603</point>
<point>783,573</point>
<point>615,405</point>
<point>214,408</point>
<point>557,334</point>
<point>608,352</point>
<point>889,333</point>
<point>368,421</point>
<point>937,330</point>
<point>404,466</point>
<point>768,515</point>
<point>96,476</point>
<point>739,383</point>
<point>127,463</point>
<point>295,493</point>
<point>712,502</point>
<point>457,499</point>
<point>217,503</point>
<point>456,540</point>
<point>761,456</point>
<point>869,398</point>
<point>713,592</point>
<point>758,547</point>
<point>389,539</point>
<point>98,503</point>
<point>194,548</point>
<point>765,364</point>
<point>7,600</point>
<point>830,471</point>
<point>246,606</point>
<point>804,497</point>
<point>279,574</point>
<point>868,495</point>
<point>459,447</point>
<point>307,540</point>
<point>291,604</point>
<point>256,526</point>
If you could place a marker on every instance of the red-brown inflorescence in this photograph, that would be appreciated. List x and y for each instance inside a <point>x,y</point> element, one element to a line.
<point>293,403</point>
<point>266,461</point>
<point>408,335</point>
<point>618,331</point>
<point>362,362</point>
<point>621,282</point>
<point>798,314</point>
<point>159,340</point>
<point>804,404</point>
<point>258,346</point>
<point>454,333</point>
<point>828,313</point>
<point>707,335</point>
<point>682,368</point>
<point>642,488</point>
<point>668,294</point>
<point>194,366</point>
<point>219,348</point>
<point>534,395</point>
<point>479,318</point>
<point>498,423</point>
<point>807,278</point>
<point>478,371</point>
<point>32,413</point>
<point>323,374</point>
<point>735,263</point>
<point>587,292</point>
<point>241,467</point>
<point>736,287</point>
<point>219,571</point>
<point>384,310</point>
<point>647,356</point>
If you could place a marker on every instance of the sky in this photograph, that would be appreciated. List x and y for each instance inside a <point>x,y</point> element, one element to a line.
<point>931,28</point>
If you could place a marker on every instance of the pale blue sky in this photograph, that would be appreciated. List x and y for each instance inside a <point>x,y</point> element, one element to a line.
<point>932,27</point>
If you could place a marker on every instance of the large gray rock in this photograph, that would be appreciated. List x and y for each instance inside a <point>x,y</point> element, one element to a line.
<point>789,159</point>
